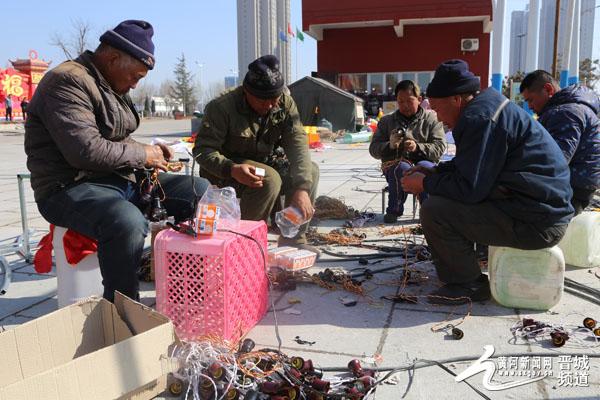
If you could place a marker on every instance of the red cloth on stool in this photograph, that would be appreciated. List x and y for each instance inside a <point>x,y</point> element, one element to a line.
<point>76,246</point>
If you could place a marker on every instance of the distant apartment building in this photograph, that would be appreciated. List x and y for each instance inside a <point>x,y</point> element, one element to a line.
<point>261,24</point>
<point>587,23</point>
<point>231,81</point>
<point>518,41</point>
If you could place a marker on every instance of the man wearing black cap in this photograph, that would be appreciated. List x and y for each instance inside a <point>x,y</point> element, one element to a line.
<point>239,132</point>
<point>507,186</point>
<point>83,160</point>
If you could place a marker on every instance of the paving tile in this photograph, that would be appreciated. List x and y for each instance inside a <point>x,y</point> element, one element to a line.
<point>26,290</point>
<point>325,320</point>
<point>12,321</point>
<point>45,307</point>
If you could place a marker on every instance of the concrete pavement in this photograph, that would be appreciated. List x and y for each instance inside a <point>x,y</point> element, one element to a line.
<point>394,333</point>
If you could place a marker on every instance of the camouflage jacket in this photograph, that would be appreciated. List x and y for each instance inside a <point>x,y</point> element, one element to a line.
<point>231,131</point>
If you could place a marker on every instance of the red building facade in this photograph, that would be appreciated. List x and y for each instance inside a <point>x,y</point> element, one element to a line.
<point>368,46</point>
<point>21,81</point>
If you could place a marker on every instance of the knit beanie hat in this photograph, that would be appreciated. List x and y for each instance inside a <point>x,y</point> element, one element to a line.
<point>452,77</point>
<point>134,37</point>
<point>263,78</point>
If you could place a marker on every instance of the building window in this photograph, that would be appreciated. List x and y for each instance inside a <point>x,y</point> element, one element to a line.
<point>423,79</point>
<point>354,83</point>
<point>381,83</point>
<point>391,80</point>
<point>376,83</point>
<point>408,76</point>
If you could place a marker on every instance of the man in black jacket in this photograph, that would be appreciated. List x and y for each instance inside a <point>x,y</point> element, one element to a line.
<point>570,116</point>
<point>507,186</point>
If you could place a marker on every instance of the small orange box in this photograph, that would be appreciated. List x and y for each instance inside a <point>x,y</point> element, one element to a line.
<point>209,211</point>
<point>206,226</point>
<point>206,222</point>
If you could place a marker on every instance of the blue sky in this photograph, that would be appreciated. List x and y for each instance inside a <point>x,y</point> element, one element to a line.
<point>204,30</point>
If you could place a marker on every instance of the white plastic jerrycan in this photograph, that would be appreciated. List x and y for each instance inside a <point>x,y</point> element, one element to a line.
<point>581,243</point>
<point>526,278</point>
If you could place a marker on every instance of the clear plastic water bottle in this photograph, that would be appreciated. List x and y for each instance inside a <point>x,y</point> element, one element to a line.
<point>289,220</point>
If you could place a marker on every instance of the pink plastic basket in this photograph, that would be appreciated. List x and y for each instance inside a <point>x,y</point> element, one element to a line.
<point>214,285</point>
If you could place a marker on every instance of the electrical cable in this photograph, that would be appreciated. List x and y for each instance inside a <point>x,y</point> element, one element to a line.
<point>368,256</point>
<point>377,271</point>
<point>584,288</point>
<point>581,295</point>
<point>422,363</point>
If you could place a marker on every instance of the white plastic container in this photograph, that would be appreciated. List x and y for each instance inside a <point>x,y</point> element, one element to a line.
<point>75,282</point>
<point>526,278</point>
<point>581,243</point>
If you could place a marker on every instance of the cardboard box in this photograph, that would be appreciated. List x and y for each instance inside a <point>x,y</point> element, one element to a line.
<point>90,350</point>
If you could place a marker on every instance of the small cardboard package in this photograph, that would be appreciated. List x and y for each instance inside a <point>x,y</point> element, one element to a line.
<point>90,350</point>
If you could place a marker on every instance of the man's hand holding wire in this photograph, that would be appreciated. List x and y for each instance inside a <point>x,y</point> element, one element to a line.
<point>157,156</point>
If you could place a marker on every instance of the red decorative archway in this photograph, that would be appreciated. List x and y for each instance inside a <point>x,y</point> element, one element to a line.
<point>21,81</point>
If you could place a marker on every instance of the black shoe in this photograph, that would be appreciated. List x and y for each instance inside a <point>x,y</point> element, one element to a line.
<point>390,218</point>
<point>461,293</point>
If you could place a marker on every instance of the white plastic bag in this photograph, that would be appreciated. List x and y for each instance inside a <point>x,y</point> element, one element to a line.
<point>223,206</point>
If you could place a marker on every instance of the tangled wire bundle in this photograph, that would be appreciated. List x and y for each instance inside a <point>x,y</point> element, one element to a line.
<point>330,208</point>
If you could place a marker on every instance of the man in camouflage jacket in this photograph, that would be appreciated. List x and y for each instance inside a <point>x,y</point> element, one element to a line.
<point>239,132</point>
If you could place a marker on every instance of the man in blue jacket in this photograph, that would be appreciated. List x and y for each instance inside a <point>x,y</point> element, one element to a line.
<point>570,116</point>
<point>508,184</point>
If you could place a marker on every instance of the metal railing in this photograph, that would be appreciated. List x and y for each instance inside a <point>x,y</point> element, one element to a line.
<point>21,245</point>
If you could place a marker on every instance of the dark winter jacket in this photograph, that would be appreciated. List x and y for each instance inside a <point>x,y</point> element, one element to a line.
<point>571,118</point>
<point>506,157</point>
<point>79,127</point>
<point>423,128</point>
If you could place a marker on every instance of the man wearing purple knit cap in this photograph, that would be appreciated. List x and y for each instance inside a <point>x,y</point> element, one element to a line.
<point>86,168</point>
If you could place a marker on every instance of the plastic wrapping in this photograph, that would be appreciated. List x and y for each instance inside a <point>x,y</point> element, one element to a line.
<point>218,208</point>
<point>289,220</point>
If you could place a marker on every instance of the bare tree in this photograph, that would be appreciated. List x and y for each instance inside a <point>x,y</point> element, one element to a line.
<point>213,90</point>
<point>76,42</point>
<point>143,89</point>
<point>589,72</point>
<point>165,88</point>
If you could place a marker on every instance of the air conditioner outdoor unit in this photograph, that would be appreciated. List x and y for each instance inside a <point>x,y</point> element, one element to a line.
<point>469,44</point>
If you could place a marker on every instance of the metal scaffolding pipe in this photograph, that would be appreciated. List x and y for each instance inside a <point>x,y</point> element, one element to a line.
<point>497,45</point>
<point>574,60</point>
<point>566,50</point>
<point>533,36</point>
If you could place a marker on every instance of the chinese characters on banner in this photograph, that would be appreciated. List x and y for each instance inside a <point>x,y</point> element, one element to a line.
<point>20,82</point>
<point>16,85</point>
